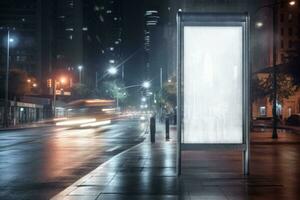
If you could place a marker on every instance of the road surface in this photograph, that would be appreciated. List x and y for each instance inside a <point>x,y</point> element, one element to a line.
<point>38,163</point>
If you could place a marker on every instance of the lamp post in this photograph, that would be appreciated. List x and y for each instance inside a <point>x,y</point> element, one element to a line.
<point>9,40</point>
<point>274,8</point>
<point>274,83</point>
<point>80,67</point>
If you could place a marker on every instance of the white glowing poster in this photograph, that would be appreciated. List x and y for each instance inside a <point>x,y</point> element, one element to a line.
<point>213,92</point>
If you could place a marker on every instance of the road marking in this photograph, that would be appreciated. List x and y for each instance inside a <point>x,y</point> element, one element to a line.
<point>113,149</point>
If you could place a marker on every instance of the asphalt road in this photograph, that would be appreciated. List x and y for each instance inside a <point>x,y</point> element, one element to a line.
<point>38,163</point>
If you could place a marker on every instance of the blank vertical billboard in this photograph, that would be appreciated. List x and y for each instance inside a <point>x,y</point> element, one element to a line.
<point>213,84</point>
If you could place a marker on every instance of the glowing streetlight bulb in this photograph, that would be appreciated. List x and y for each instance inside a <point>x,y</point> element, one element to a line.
<point>259,24</point>
<point>62,80</point>
<point>143,99</point>
<point>292,3</point>
<point>28,80</point>
<point>80,67</point>
<point>34,85</point>
<point>146,84</point>
<point>11,40</point>
<point>112,70</point>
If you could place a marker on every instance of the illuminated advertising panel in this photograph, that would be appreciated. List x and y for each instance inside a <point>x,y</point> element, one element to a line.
<point>213,84</point>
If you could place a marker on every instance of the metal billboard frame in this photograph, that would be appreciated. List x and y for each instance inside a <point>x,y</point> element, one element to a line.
<point>214,19</point>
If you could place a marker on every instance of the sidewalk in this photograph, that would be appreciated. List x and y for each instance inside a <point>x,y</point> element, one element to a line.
<point>147,172</point>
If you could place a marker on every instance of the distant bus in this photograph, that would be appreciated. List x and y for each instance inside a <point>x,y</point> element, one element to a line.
<point>91,107</point>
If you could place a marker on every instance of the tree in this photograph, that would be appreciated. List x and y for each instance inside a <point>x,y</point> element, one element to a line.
<point>114,89</point>
<point>80,91</point>
<point>262,87</point>
<point>167,98</point>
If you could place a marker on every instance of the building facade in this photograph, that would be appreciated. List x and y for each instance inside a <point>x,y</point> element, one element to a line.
<point>287,36</point>
<point>22,19</point>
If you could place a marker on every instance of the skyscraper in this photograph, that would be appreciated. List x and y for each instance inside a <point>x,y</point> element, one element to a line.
<point>150,34</point>
<point>87,33</point>
<point>22,19</point>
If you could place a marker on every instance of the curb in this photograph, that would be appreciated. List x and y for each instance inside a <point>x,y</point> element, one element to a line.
<point>22,128</point>
<point>62,194</point>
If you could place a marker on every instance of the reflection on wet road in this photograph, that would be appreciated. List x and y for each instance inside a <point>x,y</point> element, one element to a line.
<point>38,163</point>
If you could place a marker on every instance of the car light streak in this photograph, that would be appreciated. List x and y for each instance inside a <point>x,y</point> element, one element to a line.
<point>75,122</point>
<point>94,124</point>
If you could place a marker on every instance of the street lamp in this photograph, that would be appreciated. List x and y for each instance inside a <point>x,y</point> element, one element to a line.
<point>146,84</point>
<point>80,67</point>
<point>259,24</point>
<point>292,3</point>
<point>144,99</point>
<point>62,80</point>
<point>112,70</point>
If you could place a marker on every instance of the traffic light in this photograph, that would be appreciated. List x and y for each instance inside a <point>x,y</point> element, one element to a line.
<point>49,83</point>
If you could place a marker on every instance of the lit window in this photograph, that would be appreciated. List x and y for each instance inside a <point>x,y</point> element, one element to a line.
<point>84,28</point>
<point>101,18</point>
<point>290,17</point>
<point>70,3</point>
<point>262,111</point>
<point>96,8</point>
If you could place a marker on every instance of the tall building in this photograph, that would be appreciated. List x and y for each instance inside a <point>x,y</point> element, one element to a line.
<point>158,42</point>
<point>22,19</point>
<point>150,35</point>
<point>288,30</point>
<point>106,36</point>
<point>87,34</point>
<point>67,38</point>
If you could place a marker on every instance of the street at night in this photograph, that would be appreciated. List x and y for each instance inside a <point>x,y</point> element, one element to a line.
<point>38,163</point>
<point>149,99</point>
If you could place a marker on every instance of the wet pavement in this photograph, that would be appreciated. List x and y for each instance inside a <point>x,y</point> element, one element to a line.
<point>39,163</point>
<point>147,172</point>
